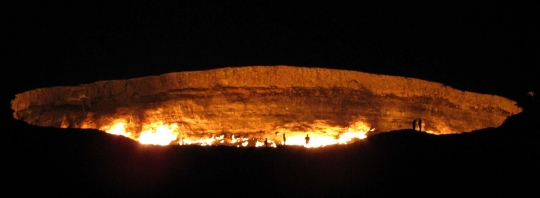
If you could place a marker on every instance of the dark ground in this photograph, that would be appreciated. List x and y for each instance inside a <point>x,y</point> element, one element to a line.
<point>68,162</point>
<point>484,47</point>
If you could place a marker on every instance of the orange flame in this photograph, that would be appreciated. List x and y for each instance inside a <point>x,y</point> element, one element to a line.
<point>320,134</point>
<point>118,127</point>
<point>158,134</point>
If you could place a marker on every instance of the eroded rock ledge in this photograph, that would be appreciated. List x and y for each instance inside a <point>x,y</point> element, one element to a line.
<point>264,100</point>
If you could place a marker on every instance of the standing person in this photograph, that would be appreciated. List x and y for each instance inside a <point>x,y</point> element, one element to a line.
<point>414,123</point>
<point>420,124</point>
<point>266,142</point>
<point>307,139</point>
<point>284,139</point>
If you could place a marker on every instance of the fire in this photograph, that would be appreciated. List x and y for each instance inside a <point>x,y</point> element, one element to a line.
<point>320,134</point>
<point>117,128</point>
<point>440,129</point>
<point>259,144</point>
<point>316,140</point>
<point>154,133</point>
<point>158,134</point>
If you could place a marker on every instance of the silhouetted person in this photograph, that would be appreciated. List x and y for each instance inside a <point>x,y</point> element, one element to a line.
<point>414,123</point>
<point>284,139</point>
<point>420,124</point>
<point>266,142</point>
<point>307,139</point>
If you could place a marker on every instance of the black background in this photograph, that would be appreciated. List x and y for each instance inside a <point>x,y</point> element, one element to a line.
<point>480,46</point>
<point>488,47</point>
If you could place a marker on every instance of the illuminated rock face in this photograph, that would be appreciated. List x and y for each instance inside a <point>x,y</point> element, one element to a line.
<point>259,101</point>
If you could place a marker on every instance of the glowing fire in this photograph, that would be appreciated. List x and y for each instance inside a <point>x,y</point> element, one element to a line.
<point>154,133</point>
<point>320,134</point>
<point>117,128</point>
<point>316,140</point>
<point>160,133</point>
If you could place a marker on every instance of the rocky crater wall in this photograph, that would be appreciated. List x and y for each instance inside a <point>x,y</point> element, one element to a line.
<point>265,99</point>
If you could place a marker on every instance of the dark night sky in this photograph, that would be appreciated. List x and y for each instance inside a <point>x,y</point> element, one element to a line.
<point>481,46</point>
<point>478,46</point>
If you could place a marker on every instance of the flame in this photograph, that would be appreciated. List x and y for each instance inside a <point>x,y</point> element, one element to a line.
<point>323,134</point>
<point>316,140</point>
<point>320,134</point>
<point>259,144</point>
<point>154,133</point>
<point>440,129</point>
<point>158,134</point>
<point>118,127</point>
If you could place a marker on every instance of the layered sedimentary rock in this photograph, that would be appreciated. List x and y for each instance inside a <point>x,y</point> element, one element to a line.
<point>264,100</point>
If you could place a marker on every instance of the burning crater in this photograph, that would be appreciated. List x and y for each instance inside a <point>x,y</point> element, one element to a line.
<point>254,106</point>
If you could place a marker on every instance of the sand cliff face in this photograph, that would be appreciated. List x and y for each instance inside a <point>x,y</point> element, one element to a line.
<point>263,100</point>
